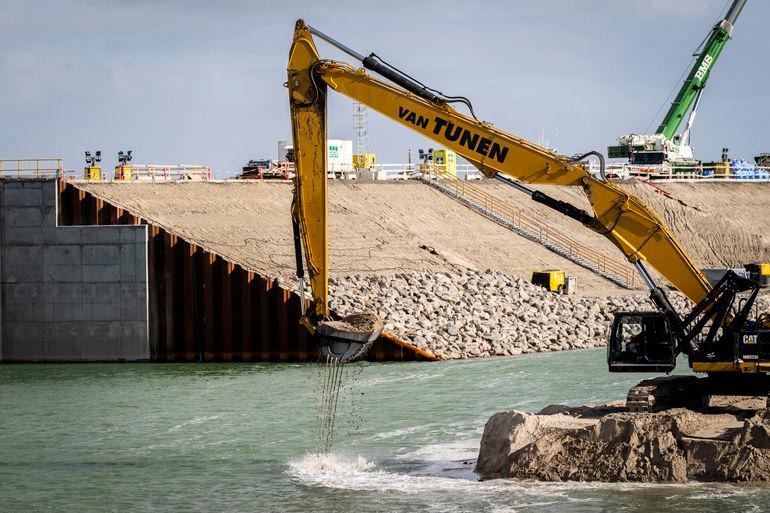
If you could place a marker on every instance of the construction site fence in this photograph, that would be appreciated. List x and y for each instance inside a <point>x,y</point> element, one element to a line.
<point>522,219</point>
<point>31,168</point>
<point>694,177</point>
<point>153,173</point>
<point>337,171</point>
<point>407,171</point>
<point>699,173</point>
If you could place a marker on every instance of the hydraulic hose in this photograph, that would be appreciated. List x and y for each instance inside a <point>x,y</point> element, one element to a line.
<point>565,208</point>
<point>578,158</point>
<point>298,262</point>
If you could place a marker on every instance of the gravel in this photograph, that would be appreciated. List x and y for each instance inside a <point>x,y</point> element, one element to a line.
<point>471,314</point>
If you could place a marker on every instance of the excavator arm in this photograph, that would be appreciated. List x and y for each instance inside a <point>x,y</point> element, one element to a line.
<point>621,217</point>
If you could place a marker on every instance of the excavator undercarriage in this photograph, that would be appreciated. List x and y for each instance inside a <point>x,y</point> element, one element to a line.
<point>693,392</point>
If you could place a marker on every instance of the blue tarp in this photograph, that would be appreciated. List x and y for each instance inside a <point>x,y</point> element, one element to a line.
<point>741,169</point>
<point>745,170</point>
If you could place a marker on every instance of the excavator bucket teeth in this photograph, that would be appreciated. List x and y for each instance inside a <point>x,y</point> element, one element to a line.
<point>349,338</point>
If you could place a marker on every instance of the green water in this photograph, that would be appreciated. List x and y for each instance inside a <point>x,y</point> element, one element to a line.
<point>237,437</point>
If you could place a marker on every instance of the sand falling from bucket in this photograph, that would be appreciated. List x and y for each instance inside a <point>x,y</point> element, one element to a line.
<point>328,398</point>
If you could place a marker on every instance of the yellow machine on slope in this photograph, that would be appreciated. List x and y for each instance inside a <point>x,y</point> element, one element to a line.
<point>732,346</point>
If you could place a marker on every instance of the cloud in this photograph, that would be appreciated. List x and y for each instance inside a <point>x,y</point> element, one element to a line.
<point>201,81</point>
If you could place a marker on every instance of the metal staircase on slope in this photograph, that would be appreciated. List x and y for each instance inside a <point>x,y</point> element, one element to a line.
<point>533,229</point>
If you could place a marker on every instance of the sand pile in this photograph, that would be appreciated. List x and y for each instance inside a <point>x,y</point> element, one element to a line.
<point>385,228</point>
<point>718,224</point>
<point>713,222</point>
<point>607,443</point>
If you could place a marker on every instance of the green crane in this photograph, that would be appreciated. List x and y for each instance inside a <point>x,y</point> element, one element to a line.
<point>665,145</point>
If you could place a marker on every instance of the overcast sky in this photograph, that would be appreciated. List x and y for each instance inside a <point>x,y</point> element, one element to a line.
<point>200,81</point>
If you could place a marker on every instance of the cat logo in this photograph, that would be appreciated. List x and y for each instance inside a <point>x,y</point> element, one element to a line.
<point>749,339</point>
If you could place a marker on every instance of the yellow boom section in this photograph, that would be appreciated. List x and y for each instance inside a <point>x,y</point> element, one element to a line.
<point>630,224</point>
<point>641,235</point>
<point>308,126</point>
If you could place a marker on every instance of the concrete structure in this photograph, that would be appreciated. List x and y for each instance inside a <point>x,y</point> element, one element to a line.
<point>82,279</point>
<point>204,304</point>
<point>69,293</point>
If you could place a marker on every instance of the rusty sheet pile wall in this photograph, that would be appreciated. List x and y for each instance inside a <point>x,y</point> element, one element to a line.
<point>205,308</point>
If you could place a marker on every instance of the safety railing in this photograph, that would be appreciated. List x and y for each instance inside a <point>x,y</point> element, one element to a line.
<point>31,168</point>
<point>539,231</point>
<point>407,171</point>
<point>698,173</point>
<point>165,173</point>
<point>706,178</point>
<point>283,170</point>
<point>388,172</point>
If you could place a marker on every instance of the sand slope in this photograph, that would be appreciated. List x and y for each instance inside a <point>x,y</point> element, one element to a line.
<point>375,228</point>
<point>384,228</point>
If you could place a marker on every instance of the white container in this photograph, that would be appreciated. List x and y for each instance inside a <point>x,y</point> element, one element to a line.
<point>340,154</point>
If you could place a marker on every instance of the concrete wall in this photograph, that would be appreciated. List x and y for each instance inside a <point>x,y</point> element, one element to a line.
<point>74,293</point>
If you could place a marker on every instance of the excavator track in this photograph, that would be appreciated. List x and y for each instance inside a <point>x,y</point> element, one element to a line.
<point>664,393</point>
<point>692,392</point>
<point>641,398</point>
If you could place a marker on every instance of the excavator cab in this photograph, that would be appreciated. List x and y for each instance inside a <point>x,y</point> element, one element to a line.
<point>641,342</point>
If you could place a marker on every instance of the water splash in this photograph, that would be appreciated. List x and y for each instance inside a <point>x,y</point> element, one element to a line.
<point>345,472</point>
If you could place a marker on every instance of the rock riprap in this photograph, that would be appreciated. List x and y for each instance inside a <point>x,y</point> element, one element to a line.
<point>607,443</point>
<point>468,314</point>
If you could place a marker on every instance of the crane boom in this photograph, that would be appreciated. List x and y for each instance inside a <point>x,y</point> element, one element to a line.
<point>699,74</point>
<point>666,146</point>
<point>624,219</point>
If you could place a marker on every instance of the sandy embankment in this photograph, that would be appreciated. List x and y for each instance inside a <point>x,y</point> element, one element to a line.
<point>440,275</point>
<point>389,228</point>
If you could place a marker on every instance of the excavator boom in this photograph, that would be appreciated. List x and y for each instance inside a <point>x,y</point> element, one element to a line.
<point>624,219</point>
<point>716,334</point>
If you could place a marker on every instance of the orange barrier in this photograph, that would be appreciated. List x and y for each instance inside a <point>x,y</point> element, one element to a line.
<point>407,345</point>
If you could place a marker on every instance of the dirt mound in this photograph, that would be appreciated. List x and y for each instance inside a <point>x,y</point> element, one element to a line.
<point>604,444</point>
<point>389,228</point>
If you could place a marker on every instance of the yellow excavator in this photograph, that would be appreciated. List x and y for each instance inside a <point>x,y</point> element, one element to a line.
<point>719,335</point>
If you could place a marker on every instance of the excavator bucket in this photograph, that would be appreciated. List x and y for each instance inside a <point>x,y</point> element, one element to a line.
<point>349,338</point>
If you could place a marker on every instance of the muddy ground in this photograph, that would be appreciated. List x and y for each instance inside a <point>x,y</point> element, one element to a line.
<point>727,441</point>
